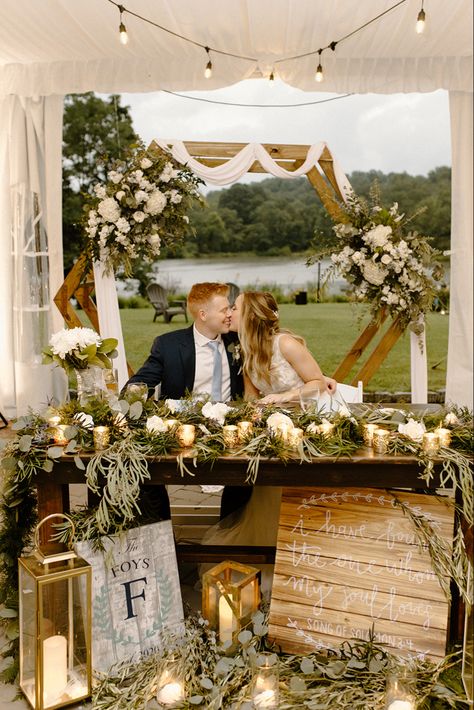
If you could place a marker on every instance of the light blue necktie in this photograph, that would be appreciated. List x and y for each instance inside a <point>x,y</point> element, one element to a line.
<point>216,387</point>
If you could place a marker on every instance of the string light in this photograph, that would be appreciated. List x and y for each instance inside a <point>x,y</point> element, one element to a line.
<point>420,20</point>
<point>208,69</point>
<point>272,76</point>
<point>122,29</point>
<point>319,76</point>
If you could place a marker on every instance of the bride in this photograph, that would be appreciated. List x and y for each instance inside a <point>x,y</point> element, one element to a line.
<point>277,368</point>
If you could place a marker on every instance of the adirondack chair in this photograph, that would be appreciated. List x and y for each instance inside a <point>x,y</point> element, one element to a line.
<point>163,307</point>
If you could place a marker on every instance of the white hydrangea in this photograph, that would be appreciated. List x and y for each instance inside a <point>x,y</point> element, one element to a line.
<point>175,197</point>
<point>141,196</point>
<point>156,203</point>
<point>374,273</point>
<point>155,425</point>
<point>123,225</point>
<point>109,209</point>
<point>167,173</point>
<point>378,236</point>
<point>216,411</point>
<point>145,163</point>
<point>100,191</point>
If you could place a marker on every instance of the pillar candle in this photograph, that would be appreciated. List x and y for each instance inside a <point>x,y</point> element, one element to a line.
<point>54,668</point>
<point>227,621</point>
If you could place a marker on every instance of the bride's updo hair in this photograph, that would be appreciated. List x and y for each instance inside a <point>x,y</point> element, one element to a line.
<point>259,322</point>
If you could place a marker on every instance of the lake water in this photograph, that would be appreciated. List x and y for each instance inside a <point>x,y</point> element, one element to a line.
<point>290,273</point>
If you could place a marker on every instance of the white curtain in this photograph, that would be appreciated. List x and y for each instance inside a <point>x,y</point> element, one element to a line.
<point>30,248</point>
<point>459,380</point>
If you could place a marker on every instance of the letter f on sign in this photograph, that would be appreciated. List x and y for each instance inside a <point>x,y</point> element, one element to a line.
<point>129,598</point>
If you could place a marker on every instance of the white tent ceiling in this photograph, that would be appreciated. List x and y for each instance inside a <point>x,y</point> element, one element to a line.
<point>52,47</point>
<point>60,46</point>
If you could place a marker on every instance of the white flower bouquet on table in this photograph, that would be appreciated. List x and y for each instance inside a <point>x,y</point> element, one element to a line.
<point>140,208</point>
<point>385,263</point>
<point>78,349</point>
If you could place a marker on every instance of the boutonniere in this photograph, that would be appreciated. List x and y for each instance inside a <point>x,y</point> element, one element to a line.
<point>234,349</point>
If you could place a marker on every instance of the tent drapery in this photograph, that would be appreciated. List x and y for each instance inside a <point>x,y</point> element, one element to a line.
<point>31,258</point>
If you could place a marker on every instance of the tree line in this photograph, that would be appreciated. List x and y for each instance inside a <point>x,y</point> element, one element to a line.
<point>271,217</point>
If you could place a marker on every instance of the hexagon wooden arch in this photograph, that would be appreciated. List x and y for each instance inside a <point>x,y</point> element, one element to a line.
<point>289,156</point>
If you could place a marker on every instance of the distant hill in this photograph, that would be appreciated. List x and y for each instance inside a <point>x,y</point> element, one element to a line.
<point>278,216</point>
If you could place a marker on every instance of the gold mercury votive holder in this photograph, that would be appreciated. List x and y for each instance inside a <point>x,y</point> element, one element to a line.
<point>59,434</point>
<point>368,433</point>
<point>101,437</point>
<point>186,435</point>
<point>244,430</point>
<point>444,436</point>
<point>296,437</point>
<point>380,441</point>
<point>430,443</point>
<point>230,434</point>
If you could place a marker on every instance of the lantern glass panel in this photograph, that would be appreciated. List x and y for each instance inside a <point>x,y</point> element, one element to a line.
<point>55,665</point>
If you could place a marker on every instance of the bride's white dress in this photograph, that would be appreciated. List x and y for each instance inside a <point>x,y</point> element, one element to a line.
<point>257,522</point>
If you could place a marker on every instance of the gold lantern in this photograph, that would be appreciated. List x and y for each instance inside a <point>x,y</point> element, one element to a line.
<point>230,595</point>
<point>55,623</point>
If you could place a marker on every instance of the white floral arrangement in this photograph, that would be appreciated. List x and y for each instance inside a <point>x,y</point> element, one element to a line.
<point>385,264</point>
<point>140,208</point>
<point>79,348</point>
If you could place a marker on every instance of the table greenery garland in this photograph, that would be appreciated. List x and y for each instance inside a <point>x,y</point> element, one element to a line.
<point>385,263</point>
<point>138,431</point>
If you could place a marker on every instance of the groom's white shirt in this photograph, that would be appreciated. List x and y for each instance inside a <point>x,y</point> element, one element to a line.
<point>205,366</point>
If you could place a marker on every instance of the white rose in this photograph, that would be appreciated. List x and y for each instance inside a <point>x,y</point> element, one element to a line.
<point>156,202</point>
<point>139,216</point>
<point>412,429</point>
<point>146,163</point>
<point>123,225</point>
<point>276,420</point>
<point>374,273</point>
<point>386,259</point>
<point>167,173</point>
<point>100,191</point>
<point>155,425</point>
<point>215,411</point>
<point>140,196</point>
<point>186,218</point>
<point>119,195</point>
<point>114,176</point>
<point>312,428</point>
<point>175,405</point>
<point>109,209</point>
<point>378,236</point>
<point>175,197</point>
<point>154,240</point>
<point>451,419</point>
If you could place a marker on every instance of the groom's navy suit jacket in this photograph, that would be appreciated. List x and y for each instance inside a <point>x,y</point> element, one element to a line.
<point>172,363</point>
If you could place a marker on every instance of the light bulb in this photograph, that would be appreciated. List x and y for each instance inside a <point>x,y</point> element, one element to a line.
<point>319,76</point>
<point>208,70</point>
<point>420,22</point>
<point>123,34</point>
<point>271,77</point>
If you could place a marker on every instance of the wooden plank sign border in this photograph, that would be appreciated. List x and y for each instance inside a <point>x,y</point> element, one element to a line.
<point>348,560</point>
<point>136,595</point>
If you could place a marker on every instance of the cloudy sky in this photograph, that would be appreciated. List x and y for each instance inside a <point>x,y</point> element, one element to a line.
<point>399,132</point>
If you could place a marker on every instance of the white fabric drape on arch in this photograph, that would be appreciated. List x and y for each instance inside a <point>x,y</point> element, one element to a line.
<point>110,325</point>
<point>239,164</point>
<point>459,377</point>
<point>31,268</point>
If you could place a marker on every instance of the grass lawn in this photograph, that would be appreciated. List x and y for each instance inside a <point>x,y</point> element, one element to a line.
<point>329,329</point>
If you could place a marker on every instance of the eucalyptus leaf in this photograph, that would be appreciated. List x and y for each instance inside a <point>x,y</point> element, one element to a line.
<point>375,665</point>
<point>54,452</point>
<point>24,443</point>
<point>6,613</point>
<point>48,466</point>
<point>19,424</point>
<point>9,463</point>
<point>297,684</point>
<point>12,631</point>
<point>70,447</point>
<point>245,637</point>
<point>196,699</point>
<point>307,666</point>
<point>206,682</point>
<point>335,669</point>
<point>136,410</point>
<point>79,463</point>
<point>356,664</point>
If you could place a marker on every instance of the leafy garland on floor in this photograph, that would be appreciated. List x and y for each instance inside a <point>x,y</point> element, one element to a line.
<point>138,431</point>
<point>352,679</point>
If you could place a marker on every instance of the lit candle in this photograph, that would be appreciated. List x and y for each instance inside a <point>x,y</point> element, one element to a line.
<point>231,436</point>
<point>444,436</point>
<point>101,437</point>
<point>296,437</point>
<point>59,434</point>
<point>186,434</point>
<point>265,699</point>
<point>227,621</point>
<point>380,441</point>
<point>368,433</point>
<point>430,443</point>
<point>171,693</point>
<point>401,705</point>
<point>54,668</point>
<point>244,430</point>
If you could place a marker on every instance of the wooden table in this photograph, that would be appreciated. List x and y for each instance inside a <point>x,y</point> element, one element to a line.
<point>363,469</point>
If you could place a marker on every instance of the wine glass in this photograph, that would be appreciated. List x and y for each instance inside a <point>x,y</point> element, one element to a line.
<point>309,397</point>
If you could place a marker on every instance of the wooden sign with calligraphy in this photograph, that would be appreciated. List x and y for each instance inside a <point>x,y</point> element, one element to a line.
<point>348,560</point>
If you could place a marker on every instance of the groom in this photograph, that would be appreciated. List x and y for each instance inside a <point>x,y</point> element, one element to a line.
<point>197,360</point>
